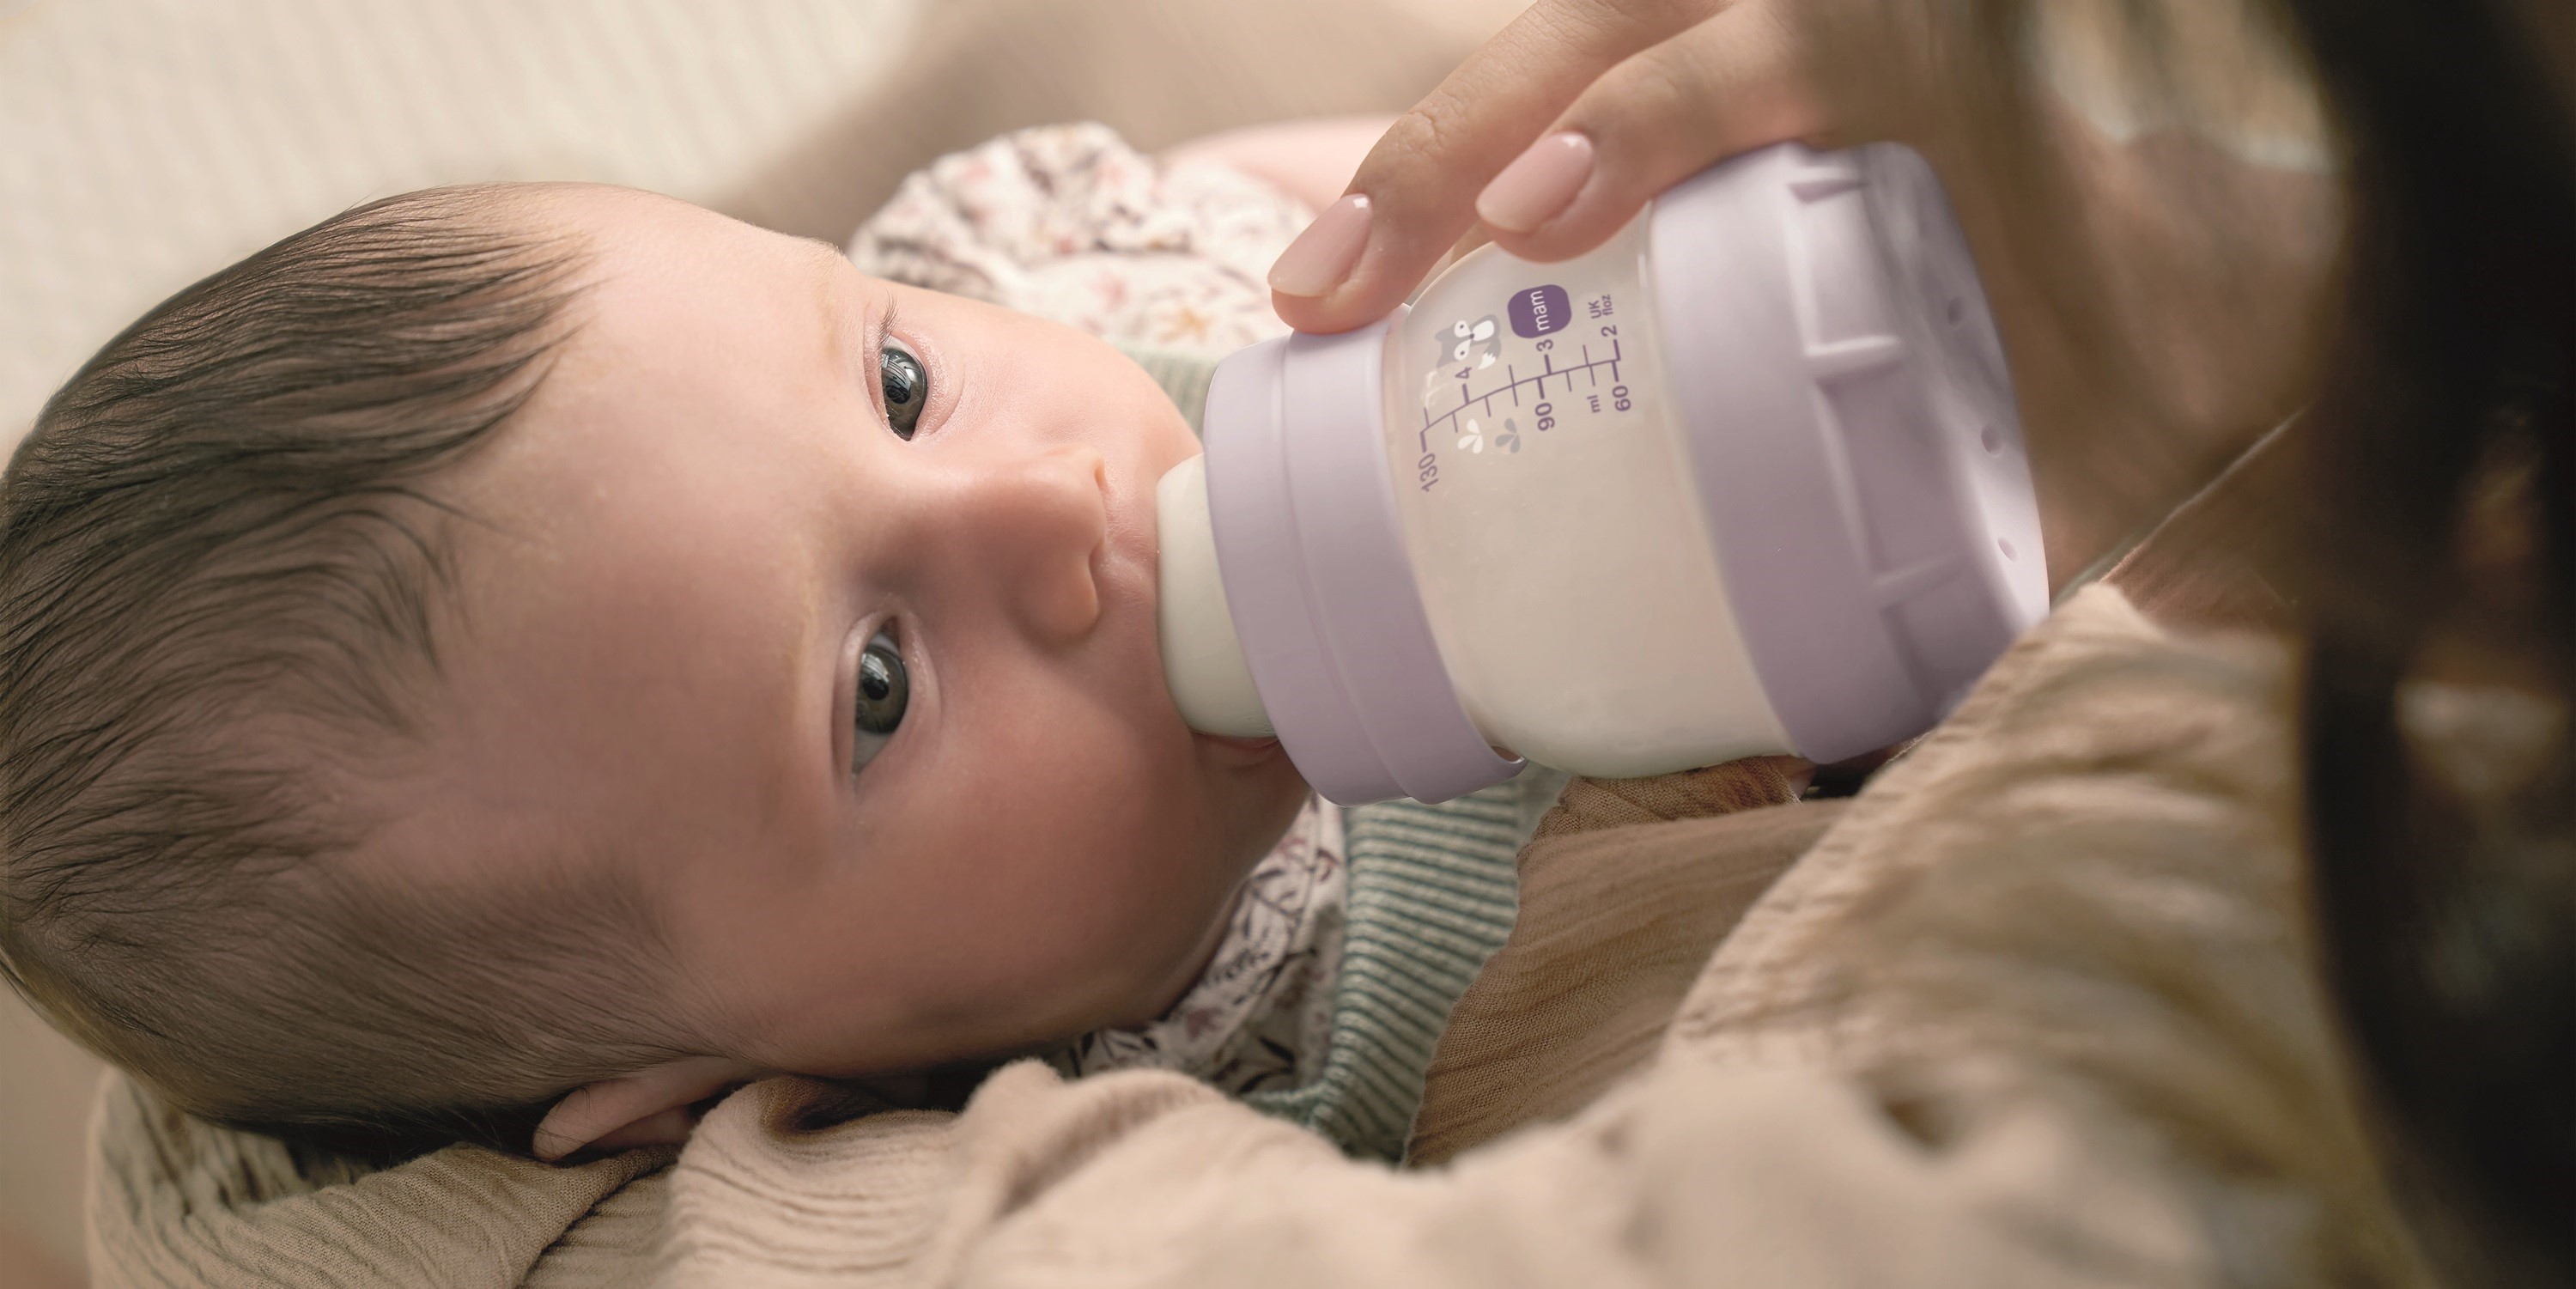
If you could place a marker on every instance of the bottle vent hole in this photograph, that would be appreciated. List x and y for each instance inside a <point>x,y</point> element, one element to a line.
<point>1993,442</point>
<point>2005,545</point>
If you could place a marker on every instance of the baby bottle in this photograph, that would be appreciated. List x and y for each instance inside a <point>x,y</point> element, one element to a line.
<point>1746,479</point>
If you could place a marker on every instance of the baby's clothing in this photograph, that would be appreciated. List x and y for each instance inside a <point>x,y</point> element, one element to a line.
<point>1261,1013</point>
<point>1069,223</point>
<point>1358,932</point>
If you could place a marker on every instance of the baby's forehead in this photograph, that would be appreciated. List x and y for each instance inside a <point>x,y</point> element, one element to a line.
<point>636,230</point>
<point>693,288</point>
<point>701,357</point>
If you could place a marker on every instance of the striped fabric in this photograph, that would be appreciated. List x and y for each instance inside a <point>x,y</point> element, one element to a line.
<point>1432,896</point>
<point>1183,374</point>
<point>1433,893</point>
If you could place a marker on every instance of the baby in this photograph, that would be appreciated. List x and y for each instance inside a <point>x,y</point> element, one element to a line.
<point>511,663</point>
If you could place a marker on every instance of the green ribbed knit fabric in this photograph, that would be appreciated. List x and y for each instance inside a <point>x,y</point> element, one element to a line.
<point>1183,374</point>
<point>1433,892</point>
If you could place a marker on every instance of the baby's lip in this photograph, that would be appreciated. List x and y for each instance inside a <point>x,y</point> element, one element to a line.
<point>1249,744</point>
<point>1239,751</point>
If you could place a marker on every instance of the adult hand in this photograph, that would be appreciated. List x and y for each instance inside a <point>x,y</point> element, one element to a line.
<point>1554,135</point>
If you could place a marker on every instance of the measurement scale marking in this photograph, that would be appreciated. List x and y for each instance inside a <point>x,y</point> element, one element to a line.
<point>1513,380</point>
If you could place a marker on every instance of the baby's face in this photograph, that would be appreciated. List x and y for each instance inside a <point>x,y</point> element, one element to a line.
<point>876,723</point>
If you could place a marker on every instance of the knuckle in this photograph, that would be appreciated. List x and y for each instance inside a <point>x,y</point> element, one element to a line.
<point>1596,23</point>
<point>1658,12</point>
<point>1428,127</point>
<point>1774,31</point>
<point>1575,24</point>
<point>1703,74</point>
<point>1422,135</point>
<point>1641,94</point>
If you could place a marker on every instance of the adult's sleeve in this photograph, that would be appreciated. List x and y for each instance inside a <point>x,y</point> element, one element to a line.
<point>1697,1174</point>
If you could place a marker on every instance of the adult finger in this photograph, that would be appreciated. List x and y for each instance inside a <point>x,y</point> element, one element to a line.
<point>1732,83</point>
<point>1415,193</point>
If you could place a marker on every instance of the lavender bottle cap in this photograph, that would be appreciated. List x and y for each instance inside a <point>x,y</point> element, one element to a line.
<point>1320,587</point>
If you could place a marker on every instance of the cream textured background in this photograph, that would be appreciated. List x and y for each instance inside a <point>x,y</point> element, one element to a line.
<point>144,143</point>
<point>150,141</point>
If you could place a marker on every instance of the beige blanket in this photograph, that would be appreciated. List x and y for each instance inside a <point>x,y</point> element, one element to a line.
<point>2035,1011</point>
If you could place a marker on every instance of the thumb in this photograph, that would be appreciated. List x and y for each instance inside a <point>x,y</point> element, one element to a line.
<point>1732,83</point>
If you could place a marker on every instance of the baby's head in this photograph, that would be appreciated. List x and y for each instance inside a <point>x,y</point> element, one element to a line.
<point>513,640</point>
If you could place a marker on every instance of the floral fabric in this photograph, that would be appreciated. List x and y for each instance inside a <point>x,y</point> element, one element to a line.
<point>1068,222</point>
<point>1259,1016</point>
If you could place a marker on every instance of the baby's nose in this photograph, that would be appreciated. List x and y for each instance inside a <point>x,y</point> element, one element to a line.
<point>1042,519</point>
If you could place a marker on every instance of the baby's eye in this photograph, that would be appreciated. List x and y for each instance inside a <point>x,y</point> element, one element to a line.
<point>907,388</point>
<point>884,689</point>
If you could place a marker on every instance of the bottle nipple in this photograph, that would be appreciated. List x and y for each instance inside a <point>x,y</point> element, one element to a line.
<point>1202,659</point>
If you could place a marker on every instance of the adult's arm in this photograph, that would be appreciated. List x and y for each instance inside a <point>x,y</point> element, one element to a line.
<point>1698,1175</point>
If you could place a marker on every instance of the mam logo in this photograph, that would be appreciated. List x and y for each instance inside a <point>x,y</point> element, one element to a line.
<point>1540,310</point>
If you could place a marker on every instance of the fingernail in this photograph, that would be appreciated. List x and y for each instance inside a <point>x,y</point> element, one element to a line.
<point>1537,184</point>
<point>1323,255</point>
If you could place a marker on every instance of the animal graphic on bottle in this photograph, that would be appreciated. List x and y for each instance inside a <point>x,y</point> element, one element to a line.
<point>1456,389</point>
<point>1479,340</point>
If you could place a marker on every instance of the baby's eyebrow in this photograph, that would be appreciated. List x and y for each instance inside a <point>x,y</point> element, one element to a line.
<point>828,260</point>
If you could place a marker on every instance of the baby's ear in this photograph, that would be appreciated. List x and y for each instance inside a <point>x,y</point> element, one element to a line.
<point>647,1108</point>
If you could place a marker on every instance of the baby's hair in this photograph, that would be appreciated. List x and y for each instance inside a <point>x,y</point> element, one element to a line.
<point>223,584</point>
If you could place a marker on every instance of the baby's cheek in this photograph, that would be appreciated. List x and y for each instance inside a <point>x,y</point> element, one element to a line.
<point>1143,404</point>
